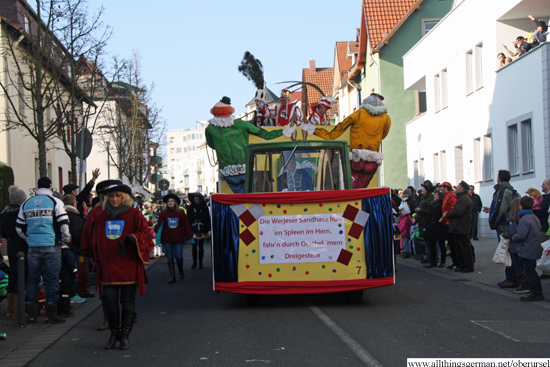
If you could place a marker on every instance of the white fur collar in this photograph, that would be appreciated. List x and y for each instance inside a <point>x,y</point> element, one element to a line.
<point>374,110</point>
<point>222,121</point>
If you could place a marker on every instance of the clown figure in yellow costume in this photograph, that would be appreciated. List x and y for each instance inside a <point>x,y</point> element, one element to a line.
<point>368,126</point>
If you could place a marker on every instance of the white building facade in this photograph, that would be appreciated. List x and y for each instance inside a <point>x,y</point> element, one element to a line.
<point>480,118</point>
<point>189,166</point>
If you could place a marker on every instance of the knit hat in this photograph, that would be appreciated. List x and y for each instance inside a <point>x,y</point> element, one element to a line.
<point>407,192</point>
<point>17,196</point>
<point>44,183</point>
<point>464,185</point>
<point>373,104</point>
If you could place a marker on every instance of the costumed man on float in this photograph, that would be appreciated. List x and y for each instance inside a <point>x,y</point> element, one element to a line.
<point>292,179</point>
<point>228,137</point>
<point>368,126</point>
<point>287,114</point>
<point>259,119</point>
<point>318,115</point>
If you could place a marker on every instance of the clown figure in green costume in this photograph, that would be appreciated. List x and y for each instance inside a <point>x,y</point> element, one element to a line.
<point>228,137</point>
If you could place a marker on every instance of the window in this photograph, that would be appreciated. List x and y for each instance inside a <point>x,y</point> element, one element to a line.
<point>185,150</point>
<point>179,150</point>
<point>60,175</point>
<point>421,174</point>
<point>171,150</point>
<point>194,148</point>
<point>443,165</point>
<point>477,159</point>
<point>437,93</point>
<point>27,24</point>
<point>444,102</point>
<point>428,25</point>
<point>192,136</point>
<point>184,138</point>
<point>526,147</point>
<point>436,168</point>
<point>415,174</point>
<point>298,169</point>
<point>171,139</point>
<point>21,92</point>
<point>422,105</point>
<point>479,74</point>
<point>469,73</point>
<point>487,158</point>
<point>459,165</point>
<point>513,149</point>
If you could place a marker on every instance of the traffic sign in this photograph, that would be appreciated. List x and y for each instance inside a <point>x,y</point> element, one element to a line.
<point>84,136</point>
<point>163,184</point>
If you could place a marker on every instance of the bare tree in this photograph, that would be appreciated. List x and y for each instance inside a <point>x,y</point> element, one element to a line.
<point>36,69</point>
<point>85,37</point>
<point>136,123</point>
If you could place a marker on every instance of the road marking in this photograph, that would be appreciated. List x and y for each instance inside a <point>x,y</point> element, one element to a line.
<point>494,331</point>
<point>358,350</point>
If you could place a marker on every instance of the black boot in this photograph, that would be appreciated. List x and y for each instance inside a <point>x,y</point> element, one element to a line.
<point>32,312</point>
<point>126,324</point>
<point>51,314</point>
<point>180,269</point>
<point>114,326</point>
<point>105,324</point>
<point>172,273</point>
<point>194,251</point>
<point>201,255</point>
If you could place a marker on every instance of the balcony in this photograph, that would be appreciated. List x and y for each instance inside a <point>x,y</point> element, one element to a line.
<point>155,159</point>
<point>156,178</point>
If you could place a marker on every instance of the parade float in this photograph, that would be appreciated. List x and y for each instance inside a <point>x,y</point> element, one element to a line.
<point>287,219</point>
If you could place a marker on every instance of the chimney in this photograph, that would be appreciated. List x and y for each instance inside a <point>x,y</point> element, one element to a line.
<point>312,68</point>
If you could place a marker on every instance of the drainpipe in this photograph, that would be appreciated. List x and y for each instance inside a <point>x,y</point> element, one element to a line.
<point>377,74</point>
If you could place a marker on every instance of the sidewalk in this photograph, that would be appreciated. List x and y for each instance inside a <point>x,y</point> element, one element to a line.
<point>486,273</point>
<point>25,343</point>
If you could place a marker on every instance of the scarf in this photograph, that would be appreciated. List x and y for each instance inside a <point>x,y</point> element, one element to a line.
<point>114,212</point>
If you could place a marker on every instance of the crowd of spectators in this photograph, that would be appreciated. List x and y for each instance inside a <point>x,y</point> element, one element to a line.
<point>444,221</point>
<point>522,44</point>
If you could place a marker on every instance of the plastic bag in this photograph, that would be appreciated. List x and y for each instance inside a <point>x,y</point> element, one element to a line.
<point>544,262</point>
<point>502,256</point>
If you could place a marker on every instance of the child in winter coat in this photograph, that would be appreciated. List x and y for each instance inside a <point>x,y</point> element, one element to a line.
<point>417,241</point>
<point>67,276</point>
<point>537,197</point>
<point>405,229</point>
<point>513,249</point>
<point>528,235</point>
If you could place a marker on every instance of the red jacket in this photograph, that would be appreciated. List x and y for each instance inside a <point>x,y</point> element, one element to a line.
<point>116,269</point>
<point>176,227</point>
<point>87,243</point>
<point>448,204</point>
<point>405,225</point>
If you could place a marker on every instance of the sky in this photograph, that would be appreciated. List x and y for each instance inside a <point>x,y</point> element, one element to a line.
<point>191,49</point>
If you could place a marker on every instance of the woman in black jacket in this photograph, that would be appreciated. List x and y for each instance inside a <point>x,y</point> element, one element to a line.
<point>437,232</point>
<point>199,218</point>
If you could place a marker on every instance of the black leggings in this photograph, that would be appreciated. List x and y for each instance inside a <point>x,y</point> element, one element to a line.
<point>127,297</point>
<point>200,243</point>
<point>433,251</point>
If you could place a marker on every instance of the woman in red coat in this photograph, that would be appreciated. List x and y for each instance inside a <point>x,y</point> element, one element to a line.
<point>175,231</point>
<point>120,233</point>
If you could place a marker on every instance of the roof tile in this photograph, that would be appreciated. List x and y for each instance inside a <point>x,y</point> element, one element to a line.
<point>321,78</point>
<point>382,16</point>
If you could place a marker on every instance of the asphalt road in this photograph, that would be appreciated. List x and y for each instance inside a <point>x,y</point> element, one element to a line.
<point>422,316</point>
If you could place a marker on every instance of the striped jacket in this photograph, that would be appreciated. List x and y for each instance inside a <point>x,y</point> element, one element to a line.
<point>42,220</point>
